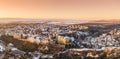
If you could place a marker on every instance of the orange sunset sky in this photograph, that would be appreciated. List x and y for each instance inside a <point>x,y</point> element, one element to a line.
<point>60,9</point>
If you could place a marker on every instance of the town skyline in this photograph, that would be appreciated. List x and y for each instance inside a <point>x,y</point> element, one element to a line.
<point>56,21</point>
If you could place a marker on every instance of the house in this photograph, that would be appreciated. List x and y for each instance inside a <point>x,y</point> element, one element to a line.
<point>2,46</point>
<point>36,55</point>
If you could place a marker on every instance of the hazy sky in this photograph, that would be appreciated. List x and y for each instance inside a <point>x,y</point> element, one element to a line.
<point>60,9</point>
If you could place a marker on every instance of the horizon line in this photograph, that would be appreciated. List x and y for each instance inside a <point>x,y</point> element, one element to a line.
<point>55,18</point>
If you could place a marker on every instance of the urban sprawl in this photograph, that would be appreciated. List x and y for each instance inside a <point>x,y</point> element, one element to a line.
<point>52,41</point>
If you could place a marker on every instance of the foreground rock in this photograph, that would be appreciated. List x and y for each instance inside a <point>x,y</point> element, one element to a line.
<point>104,53</point>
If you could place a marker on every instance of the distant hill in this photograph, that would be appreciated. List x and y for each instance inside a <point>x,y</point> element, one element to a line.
<point>53,21</point>
<point>107,21</point>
